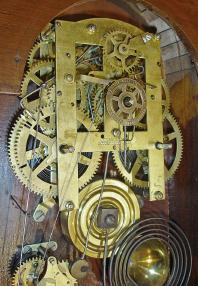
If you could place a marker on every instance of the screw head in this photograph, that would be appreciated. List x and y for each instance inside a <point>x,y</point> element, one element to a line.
<point>58,24</point>
<point>116,132</point>
<point>69,206</point>
<point>69,77</point>
<point>91,28</point>
<point>64,149</point>
<point>59,93</point>
<point>158,195</point>
<point>68,55</point>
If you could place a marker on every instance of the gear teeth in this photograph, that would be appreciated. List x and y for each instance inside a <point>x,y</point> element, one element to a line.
<point>13,154</point>
<point>37,45</point>
<point>25,268</point>
<point>96,156</point>
<point>180,145</point>
<point>115,66</point>
<point>84,105</point>
<point>97,164</point>
<point>171,171</point>
<point>41,64</point>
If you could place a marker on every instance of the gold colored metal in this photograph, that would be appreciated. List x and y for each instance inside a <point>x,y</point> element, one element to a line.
<point>55,276</point>
<point>38,166</point>
<point>42,209</point>
<point>119,50</point>
<point>28,272</point>
<point>80,268</point>
<point>76,224</point>
<point>138,172</point>
<point>20,150</point>
<point>40,73</point>
<point>126,101</point>
<point>149,263</point>
<point>122,39</point>
<point>34,248</point>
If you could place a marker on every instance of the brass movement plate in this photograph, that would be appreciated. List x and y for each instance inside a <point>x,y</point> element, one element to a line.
<point>93,32</point>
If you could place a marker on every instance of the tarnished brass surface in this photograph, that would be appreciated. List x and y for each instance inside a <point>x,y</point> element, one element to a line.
<point>127,53</point>
<point>149,263</point>
<point>29,270</point>
<point>136,171</point>
<point>76,224</point>
<point>57,273</point>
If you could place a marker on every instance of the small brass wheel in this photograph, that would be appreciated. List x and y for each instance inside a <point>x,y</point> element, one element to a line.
<point>120,52</point>
<point>76,224</point>
<point>126,101</point>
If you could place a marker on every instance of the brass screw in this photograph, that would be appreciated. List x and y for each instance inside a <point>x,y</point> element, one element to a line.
<point>64,149</point>
<point>68,55</point>
<point>91,28</point>
<point>158,195</point>
<point>58,24</point>
<point>59,93</point>
<point>69,77</point>
<point>69,206</point>
<point>116,132</point>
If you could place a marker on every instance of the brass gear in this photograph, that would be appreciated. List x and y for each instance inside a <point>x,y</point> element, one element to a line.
<point>165,103</point>
<point>116,194</point>
<point>41,50</point>
<point>36,171</point>
<point>96,94</point>
<point>88,161</point>
<point>97,98</point>
<point>118,51</point>
<point>39,173</point>
<point>40,73</point>
<point>126,101</point>
<point>29,270</point>
<point>136,170</point>
<point>165,98</point>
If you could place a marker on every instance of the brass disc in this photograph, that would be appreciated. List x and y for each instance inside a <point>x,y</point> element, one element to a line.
<point>149,263</point>
<point>116,195</point>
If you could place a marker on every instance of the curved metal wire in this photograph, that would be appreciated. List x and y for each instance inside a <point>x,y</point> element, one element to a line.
<point>152,228</point>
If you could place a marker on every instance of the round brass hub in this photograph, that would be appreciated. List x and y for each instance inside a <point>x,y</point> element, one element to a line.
<point>116,195</point>
<point>149,263</point>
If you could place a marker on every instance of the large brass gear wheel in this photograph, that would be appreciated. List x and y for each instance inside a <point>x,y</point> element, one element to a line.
<point>40,75</point>
<point>35,169</point>
<point>118,51</point>
<point>28,272</point>
<point>116,195</point>
<point>136,170</point>
<point>39,173</point>
<point>42,50</point>
<point>126,101</point>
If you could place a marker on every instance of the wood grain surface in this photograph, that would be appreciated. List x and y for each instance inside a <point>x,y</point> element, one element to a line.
<point>21,21</point>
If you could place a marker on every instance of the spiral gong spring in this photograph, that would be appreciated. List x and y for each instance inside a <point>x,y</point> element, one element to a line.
<point>155,252</point>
